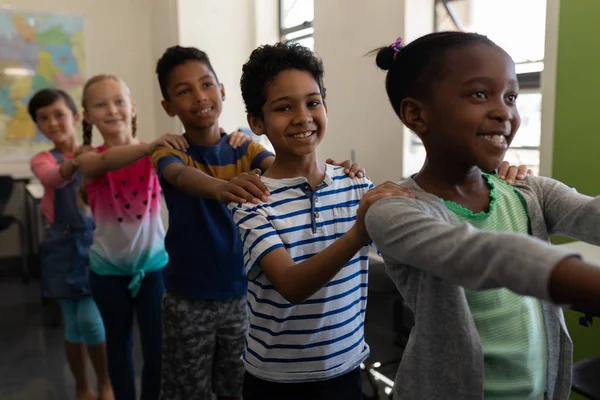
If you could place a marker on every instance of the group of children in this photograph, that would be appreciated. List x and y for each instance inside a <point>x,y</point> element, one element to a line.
<point>265,258</point>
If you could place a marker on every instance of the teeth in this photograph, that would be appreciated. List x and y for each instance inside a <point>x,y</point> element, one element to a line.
<point>496,138</point>
<point>302,135</point>
<point>205,110</point>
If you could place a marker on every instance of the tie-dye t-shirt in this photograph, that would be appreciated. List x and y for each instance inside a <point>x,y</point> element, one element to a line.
<point>129,236</point>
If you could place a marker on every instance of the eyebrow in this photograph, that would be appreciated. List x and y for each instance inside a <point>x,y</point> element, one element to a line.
<point>288,97</point>
<point>488,80</point>
<point>187,82</point>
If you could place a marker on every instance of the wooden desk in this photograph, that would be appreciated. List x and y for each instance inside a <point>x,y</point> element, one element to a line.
<point>35,190</point>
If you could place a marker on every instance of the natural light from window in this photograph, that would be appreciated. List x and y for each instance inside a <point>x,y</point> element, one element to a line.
<point>518,26</point>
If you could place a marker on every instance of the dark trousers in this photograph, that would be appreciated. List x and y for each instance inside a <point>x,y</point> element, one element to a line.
<point>344,387</point>
<point>117,308</point>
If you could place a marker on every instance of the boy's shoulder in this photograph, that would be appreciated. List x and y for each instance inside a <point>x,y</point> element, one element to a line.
<point>337,178</point>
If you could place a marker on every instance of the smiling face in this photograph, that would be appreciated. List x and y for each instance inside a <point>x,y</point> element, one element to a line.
<point>471,115</point>
<point>108,106</point>
<point>57,122</point>
<point>294,114</point>
<point>195,96</point>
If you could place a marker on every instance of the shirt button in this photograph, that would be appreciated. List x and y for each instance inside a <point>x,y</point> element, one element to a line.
<point>316,215</point>
<point>316,199</point>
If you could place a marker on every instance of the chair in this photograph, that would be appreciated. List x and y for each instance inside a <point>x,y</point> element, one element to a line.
<point>585,372</point>
<point>6,221</point>
<point>585,378</point>
<point>383,288</point>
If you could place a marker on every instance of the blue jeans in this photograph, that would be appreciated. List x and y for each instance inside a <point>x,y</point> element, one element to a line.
<point>344,387</point>
<point>117,308</point>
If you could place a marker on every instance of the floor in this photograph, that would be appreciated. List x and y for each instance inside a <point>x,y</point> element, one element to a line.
<point>33,365</point>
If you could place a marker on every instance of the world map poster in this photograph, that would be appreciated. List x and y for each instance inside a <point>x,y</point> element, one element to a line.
<point>37,50</point>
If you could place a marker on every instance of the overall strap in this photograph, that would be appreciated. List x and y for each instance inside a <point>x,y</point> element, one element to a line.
<point>57,155</point>
<point>66,211</point>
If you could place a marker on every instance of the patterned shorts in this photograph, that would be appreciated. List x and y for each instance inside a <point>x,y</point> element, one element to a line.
<point>203,342</point>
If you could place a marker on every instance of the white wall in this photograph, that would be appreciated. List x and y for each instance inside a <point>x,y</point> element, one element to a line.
<point>123,37</point>
<point>164,34</point>
<point>361,120</point>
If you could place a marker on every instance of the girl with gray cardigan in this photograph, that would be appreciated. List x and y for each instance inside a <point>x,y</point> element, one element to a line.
<point>470,254</point>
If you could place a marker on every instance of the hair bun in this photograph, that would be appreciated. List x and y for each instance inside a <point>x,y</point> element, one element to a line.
<point>385,58</point>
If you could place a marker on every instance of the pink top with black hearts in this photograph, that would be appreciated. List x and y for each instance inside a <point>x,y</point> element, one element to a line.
<point>129,236</point>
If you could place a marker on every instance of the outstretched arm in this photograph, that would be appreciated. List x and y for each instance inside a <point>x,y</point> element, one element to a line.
<point>92,165</point>
<point>49,172</point>
<point>407,235</point>
<point>568,212</point>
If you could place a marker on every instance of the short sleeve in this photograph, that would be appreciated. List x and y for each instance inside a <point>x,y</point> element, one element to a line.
<point>257,154</point>
<point>258,236</point>
<point>163,156</point>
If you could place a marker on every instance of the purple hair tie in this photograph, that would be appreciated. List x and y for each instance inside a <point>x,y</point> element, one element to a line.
<point>397,45</point>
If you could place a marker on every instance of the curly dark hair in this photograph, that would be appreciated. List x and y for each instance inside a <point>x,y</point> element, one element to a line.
<point>416,67</point>
<point>266,62</point>
<point>175,56</point>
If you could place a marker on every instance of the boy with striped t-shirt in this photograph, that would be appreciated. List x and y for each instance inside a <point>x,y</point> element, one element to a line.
<point>305,248</point>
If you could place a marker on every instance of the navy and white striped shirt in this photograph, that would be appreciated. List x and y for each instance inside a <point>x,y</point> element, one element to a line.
<point>324,336</point>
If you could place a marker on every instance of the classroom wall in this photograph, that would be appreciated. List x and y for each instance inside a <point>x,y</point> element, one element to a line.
<point>576,137</point>
<point>576,128</point>
<point>362,123</point>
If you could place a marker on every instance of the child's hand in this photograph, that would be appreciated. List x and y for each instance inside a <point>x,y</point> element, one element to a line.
<point>246,187</point>
<point>351,169</point>
<point>79,151</point>
<point>82,149</point>
<point>387,189</point>
<point>237,138</point>
<point>177,142</point>
<point>510,172</point>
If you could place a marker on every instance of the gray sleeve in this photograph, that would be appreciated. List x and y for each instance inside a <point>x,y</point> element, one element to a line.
<point>406,232</point>
<point>568,212</point>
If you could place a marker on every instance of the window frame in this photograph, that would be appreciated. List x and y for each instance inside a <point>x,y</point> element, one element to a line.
<point>527,80</point>
<point>283,32</point>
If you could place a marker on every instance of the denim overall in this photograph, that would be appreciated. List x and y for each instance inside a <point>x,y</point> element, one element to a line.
<point>65,247</point>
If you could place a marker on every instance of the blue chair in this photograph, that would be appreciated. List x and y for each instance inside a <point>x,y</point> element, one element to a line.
<point>6,221</point>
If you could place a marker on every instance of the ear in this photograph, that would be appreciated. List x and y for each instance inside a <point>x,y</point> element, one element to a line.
<point>133,110</point>
<point>166,105</point>
<point>222,91</point>
<point>412,113</point>
<point>256,124</point>
<point>76,119</point>
<point>325,105</point>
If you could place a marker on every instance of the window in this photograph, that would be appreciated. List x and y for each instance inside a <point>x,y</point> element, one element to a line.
<point>518,26</point>
<point>296,22</point>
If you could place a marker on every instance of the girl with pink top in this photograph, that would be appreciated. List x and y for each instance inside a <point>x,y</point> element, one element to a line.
<point>64,249</point>
<point>128,253</point>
